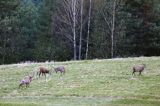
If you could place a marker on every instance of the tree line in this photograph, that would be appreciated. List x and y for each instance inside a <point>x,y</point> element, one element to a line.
<point>40,30</point>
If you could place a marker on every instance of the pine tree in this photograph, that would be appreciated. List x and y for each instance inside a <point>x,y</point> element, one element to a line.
<point>8,30</point>
<point>141,35</point>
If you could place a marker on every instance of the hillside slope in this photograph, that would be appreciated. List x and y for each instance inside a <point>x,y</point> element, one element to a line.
<point>86,83</point>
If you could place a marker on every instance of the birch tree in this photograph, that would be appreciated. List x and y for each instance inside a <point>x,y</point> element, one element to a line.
<point>67,20</point>
<point>88,31</point>
<point>108,13</point>
<point>81,29</point>
<point>113,28</point>
<point>74,28</point>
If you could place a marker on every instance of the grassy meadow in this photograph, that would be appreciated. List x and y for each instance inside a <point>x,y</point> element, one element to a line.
<point>107,82</point>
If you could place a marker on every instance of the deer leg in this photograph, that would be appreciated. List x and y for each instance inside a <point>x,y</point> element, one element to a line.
<point>27,85</point>
<point>140,73</point>
<point>133,73</point>
<point>20,85</point>
<point>61,73</point>
<point>39,74</point>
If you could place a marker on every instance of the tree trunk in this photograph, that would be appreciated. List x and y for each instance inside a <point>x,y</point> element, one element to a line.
<point>113,28</point>
<point>80,38</point>
<point>74,29</point>
<point>88,32</point>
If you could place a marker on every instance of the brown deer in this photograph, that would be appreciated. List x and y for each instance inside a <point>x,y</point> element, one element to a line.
<point>43,71</point>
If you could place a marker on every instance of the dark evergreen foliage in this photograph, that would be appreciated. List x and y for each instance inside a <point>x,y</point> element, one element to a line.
<point>29,30</point>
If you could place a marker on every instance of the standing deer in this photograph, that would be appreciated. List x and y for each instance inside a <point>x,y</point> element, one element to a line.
<point>26,81</point>
<point>43,71</point>
<point>138,68</point>
<point>61,69</point>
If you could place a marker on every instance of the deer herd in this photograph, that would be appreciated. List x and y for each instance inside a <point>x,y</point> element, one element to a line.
<point>43,71</point>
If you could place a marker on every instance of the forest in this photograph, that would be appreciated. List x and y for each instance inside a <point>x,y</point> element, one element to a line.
<point>63,30</point>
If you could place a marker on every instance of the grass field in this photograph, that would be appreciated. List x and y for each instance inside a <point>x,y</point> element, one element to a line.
<point>107,82</point>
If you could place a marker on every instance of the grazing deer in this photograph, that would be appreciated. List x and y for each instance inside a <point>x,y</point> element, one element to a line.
<point>138,68</point>
<point>26,81</point>
<point>61,69</point>
<point>43,71</point>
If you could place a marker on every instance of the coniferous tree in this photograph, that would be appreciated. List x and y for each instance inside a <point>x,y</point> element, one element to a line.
<point>28,15</point>
<point>141,34</point>
<point>8,30</point>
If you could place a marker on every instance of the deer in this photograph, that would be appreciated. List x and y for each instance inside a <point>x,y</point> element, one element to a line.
<point>138,68</point>
<point>26,81</point>
<point>61,69</point>
<point>43,71</point>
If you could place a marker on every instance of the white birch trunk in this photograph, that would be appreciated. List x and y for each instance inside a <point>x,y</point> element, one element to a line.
<point>74,29</point>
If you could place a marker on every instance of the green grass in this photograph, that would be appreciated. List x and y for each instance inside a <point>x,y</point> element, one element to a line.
<point>86,83</point>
